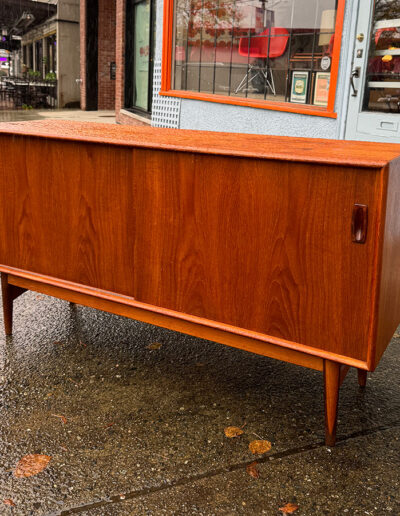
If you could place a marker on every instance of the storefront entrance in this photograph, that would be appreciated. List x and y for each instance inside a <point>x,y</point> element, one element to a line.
<point>374,105</point>
<point>139,56</point>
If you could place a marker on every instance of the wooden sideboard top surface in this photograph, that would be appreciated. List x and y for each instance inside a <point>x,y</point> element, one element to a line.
<point>335,152</point>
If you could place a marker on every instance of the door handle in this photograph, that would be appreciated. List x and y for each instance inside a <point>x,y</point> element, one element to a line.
<point>355,74</point>
<point>359,223</point>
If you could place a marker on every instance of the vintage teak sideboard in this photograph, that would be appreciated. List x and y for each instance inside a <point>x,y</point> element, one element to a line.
<point>286,247</point>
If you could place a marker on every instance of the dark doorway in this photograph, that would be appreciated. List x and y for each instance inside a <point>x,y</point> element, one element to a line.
<point>92,30</point>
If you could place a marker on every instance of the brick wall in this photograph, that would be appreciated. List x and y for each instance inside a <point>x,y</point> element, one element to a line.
<point>106,46</point>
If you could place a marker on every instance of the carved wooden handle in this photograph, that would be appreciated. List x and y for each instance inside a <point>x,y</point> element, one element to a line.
<point>359,223</point>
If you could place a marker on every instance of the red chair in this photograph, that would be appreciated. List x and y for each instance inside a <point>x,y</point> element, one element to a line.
<point>262,46</point>
<point>379,32</point>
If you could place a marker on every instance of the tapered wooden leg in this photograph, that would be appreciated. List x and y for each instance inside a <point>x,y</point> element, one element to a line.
<point>362,377</point>
<point>9,293</point>
<point>332,384</point>
<point>7,304</point>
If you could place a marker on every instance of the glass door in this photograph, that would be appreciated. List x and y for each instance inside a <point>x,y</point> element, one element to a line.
<point>374,104</point>
<point>139,56</point>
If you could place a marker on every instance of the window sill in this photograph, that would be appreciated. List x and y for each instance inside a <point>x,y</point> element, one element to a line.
<point>261,104</point>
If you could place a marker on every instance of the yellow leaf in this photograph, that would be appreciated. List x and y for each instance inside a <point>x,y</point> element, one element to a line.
<point>252,470</point>
<point>233,431</point>
<point>289,508</point>
<point>63,418</point>
<point>31,465</point>
<point>154,345</point>
<point>258,447</point>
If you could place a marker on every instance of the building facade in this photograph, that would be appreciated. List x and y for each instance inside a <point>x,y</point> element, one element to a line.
<point>49,49</point>
<point>316,68</point>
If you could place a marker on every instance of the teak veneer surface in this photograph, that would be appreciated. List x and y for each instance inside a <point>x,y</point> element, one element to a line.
<point>285,247</point>
<point>359,154</point>
<point>389,297</point>
<point>173,219</point>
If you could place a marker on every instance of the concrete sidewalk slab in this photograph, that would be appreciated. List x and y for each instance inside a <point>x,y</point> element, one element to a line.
<point>345,480</point>
<point>142,420</point>
<point>57,114</point>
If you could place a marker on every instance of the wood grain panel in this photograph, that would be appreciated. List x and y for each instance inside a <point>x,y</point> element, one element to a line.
<point>260,245</point>
<point>389,299</point>
<point>66,210</point>
<point>263,245</point>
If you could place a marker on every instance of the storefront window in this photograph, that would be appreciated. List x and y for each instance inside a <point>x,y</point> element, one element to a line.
<point>273,50</point>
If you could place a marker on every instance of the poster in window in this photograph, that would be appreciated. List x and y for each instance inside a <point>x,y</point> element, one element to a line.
<point>321,88</point>
<point>298,91</point>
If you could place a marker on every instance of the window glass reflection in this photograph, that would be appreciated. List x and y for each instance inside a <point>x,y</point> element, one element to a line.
<point>382,87</point>
<point>277,50</point>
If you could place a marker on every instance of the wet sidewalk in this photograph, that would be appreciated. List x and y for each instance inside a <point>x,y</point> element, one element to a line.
<point>57,114</point>
<point>144,430</point>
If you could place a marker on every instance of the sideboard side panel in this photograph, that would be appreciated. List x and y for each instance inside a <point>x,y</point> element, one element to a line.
<point>389,299</point>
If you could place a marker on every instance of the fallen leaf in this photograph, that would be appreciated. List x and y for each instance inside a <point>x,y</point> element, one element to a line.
<point>82,344</point>
<point>9,502</point>
<point>233,431</point>
<point>258,447</point>
<point>252,470</point>
<point>200,364</point>
<point>154,345</point>
<point>109,425</point>
<point>31,465</point>
<point>289,508</point>
<point>63,418</point>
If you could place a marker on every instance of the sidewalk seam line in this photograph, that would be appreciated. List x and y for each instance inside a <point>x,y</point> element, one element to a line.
<point>228,469</point>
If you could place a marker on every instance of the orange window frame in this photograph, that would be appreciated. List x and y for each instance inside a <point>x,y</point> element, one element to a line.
<point>166,70</point>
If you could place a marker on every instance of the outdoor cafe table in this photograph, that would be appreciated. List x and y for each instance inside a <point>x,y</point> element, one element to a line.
<point>285,247</point>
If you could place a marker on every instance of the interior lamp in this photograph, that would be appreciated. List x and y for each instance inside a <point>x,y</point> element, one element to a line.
<point>328,18</point>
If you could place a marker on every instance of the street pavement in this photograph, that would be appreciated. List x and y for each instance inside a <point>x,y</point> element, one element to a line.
<point>21,115</point>
<point>143,432</point>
